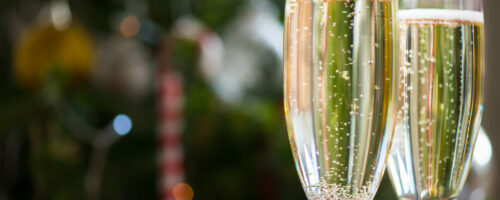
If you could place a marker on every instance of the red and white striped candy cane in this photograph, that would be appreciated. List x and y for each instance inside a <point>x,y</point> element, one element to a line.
<point>171,96</point>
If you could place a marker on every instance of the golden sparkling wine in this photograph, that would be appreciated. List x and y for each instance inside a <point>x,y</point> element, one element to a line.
<point>339,78</point>
<point>440,101</point>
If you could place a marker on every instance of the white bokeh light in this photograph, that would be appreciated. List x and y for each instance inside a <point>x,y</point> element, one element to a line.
<point>60,14</point>
<point>483,150</point>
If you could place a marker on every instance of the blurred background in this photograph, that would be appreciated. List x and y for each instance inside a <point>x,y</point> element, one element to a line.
<point>163,99</point>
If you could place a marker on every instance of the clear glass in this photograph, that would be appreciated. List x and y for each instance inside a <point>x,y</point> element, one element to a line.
<point>441,61</point>
<point>339,90</point>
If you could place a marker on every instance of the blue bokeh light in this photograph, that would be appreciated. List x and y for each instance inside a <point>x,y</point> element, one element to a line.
<point>122,124</point>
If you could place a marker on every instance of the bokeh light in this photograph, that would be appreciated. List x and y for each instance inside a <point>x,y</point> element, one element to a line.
<point>183,191</point>
<point>60,15</point>
<point>130,26</point>
<point>122,124</point>
<point>483,150</point>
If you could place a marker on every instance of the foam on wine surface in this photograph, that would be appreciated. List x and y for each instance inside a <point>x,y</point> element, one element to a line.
<point>441,15</point>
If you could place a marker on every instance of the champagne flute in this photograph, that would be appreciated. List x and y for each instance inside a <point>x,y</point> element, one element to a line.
<point>441,60</point>
<point>339,89</point>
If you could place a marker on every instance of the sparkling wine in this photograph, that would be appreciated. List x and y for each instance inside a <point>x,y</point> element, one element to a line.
<point>441,65</point>
<point>339,93</point>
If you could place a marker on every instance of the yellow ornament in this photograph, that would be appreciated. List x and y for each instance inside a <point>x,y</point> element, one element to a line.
<point>43,48</point>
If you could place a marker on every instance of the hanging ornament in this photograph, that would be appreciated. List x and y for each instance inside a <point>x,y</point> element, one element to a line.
<point>53,43</point>
<point>123,67</point>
